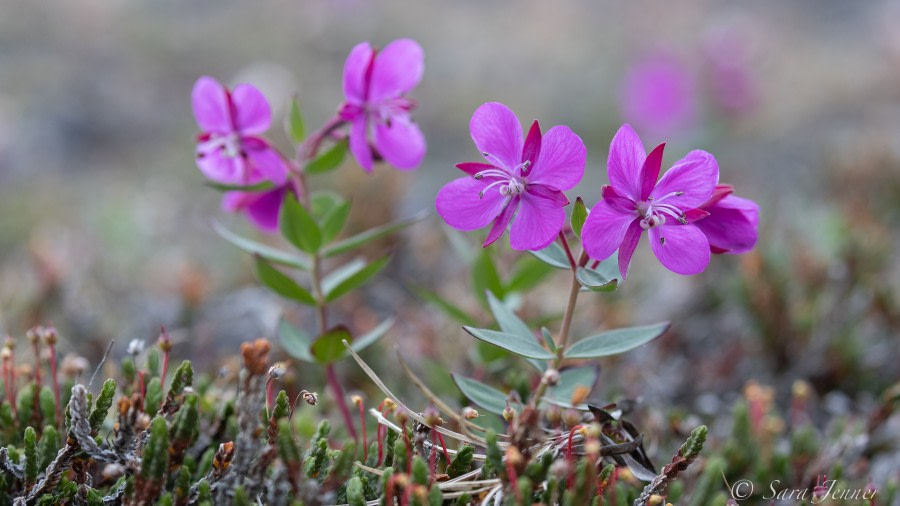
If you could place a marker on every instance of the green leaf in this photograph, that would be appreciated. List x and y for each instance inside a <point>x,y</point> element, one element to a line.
<point>528,272</point>
<point>570,379</point>
<point>520,345</point>
<point>329,347</point>
<point>295,128</point>
<point>298,226</point>
<point>370,337</point>
<point>322,202</point>
<point>334,220</point>
<point>328,160</point>
<point>553,255</point>
<point>579,214</point>
<point>609,268</point>
<point>281,284</point>
<point>485,277</point>
<point>296,342</point>
<point>269,253</point>
<point>511,324</point>
<point>258,187</point>
<point>350,276</point>
<point>616,341</point>
<point>548,338</point>
<point>484,396</point>
<point>361,238</point>
<point>447,307</point>
<point>594,281</point>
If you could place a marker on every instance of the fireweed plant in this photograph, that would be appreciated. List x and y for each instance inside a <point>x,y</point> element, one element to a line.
<point>519,186</point>
<point>174,440</point>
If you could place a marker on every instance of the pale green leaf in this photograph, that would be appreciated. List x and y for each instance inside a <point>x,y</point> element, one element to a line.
<point>617,341</point>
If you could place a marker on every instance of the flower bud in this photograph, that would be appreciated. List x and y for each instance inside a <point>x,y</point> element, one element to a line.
<point>550,377</point>
<point>553,414</point>
<point>432,417</point>
<point>34,334</point>
<point>509,414</point>
<point>311,398</point>
<point>571,417</point>
<point>165,341</point>
<point>50,336</point>
<point>469,413</point>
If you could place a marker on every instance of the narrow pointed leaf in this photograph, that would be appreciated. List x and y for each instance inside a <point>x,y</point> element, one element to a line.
<point>448,308</point>
<point>510,323</point>
<point>329,160</point>
<point>548,338</point>
<point>258,187</point>
<point>579,214</point>
<point>298,226</point>
<point>520,345</point>
<point>364,341</point>
<point>361,238</point>
<point>553,255</point>
<point>485,277</point>
<point>269,253</point>
<point>594,281</point>
<point>334,220</point>
<point>322,202</point>
<point>352,278</point>
<point>484,396</point>
<point>296,342</point>
<point>616,341</point>
<point>295,128</point>
<point>281,284</point>
<point>329,347</point>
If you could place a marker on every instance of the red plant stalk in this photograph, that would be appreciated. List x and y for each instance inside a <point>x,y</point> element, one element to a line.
<point>362,424</point>
<point>338,392</point>
<point>432,456</point>
<point>408,447</point>
<point>141,387</point>
<point>443,447</point>
<point>37,364</point>
<point>270,396</point>
<point>513,480</point>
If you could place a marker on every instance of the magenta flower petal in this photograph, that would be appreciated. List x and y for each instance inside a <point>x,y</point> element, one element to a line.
<point>220,168</point>
<point>359,144</point>
<point>502,222</point>
<point>252,112</point>
<point>496,131</point>
<point>537,223</point>
<point>683,249</point>
<point>626,157</point>
<point>401,142</point>
<point>355,69</point>
<point>731,226</point>
<point>561,161</point>
<point>694,176</point>
<point>650,170</point>
<point>266,163</point>
<point>532,147</point>
<point>458,203</point>
<point>261,208</point>
<point>209,100</point>
<point>397,70</point>
<point>629,243</point>
<point>616,201</point>
<point>604,230</point>
<point>472,168</point>
<point>549,193</point>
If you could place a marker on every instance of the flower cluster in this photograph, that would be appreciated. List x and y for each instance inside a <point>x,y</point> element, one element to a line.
<point>232,152</point>
<point>687,215</point>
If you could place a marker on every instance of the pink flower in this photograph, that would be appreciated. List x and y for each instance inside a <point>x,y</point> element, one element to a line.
<point>229,150</point>
<point>731,226</point>
<point>635,201</point>
<point>658,94</point>
<point>523,178</point>
<point>375,88</point>
<point>262,208</point>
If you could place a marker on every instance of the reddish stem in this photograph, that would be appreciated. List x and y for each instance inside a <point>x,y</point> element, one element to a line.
<point>595,264</point>
<point>310,147</point>
<point>408,448</point>
<point>37,364</point>
<point>55,380</point>
<point>432,456</point>
<point>362,424</point>
<point>513,481</point>
<point>142,388</point>
<point>338,393</point>
<point>270,396</point>
<point>565,244</point>
<point>443,447</point>
<point>165,369</point>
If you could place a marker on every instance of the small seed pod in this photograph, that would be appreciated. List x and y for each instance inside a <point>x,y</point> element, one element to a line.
<point>550,377</point>
<point>469,413</point>
<point>509,414</point>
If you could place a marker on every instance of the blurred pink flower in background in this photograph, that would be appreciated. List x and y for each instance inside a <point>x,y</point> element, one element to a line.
<point>375,88</point>
<point>524,178</point>
<point>728,70</point>
<point>658,95</point>
<point>261,208</point>
<point>230,149</point>
<point>635,201</point>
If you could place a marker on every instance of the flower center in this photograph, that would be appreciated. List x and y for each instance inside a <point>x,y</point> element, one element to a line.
<point>653,212</point>
<point>509,185</point>
<point>385,110</point>
<point>229,144</point>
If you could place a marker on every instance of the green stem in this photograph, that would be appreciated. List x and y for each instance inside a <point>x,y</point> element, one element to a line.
<point>322,319</point>
<point>562,341</point>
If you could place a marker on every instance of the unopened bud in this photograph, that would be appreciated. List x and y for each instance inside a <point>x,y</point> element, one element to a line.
<point>514,456</point>
<point>6,353</point>
<point>50,335</point>
<point>311,398</point>
<point>469,413</point>
<point>10,343</point>
<point>553,414</point>
<point>277,370</point>
<point>401,417</point>
<point>550,377</point>
<point>165,341</point>
<point>432,417</point>
<point>135,347</point>
<point>509,414</point>
<point>34,334</point>
<point>356,400</point>
<point>571,417</point>
<point>74,365</point>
